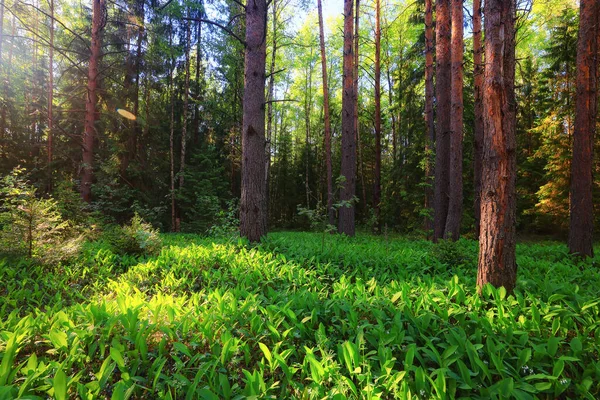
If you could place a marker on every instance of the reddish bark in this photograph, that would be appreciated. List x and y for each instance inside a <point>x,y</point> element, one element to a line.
<point>452,230</point>
<point>478,128</point>
<point>327,120</point>
<point>346,223</point>
<point>377,185</point>
<point>443,100</point>
<point>253,215</point>
<point>87,171</point>
<point>497,262</point>
<point>361,164</point>
<point>429,93</point>
<point>582,207</point>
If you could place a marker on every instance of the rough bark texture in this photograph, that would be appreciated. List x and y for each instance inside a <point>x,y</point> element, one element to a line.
<point>478,128</point>
<point>348,169</point>
<point>327,120</point>
<point>361,165</point>
<point>377,183</point>
<point>442,143</point>
<point>497,262</point>
<point>87,172</point>
<point>429,121</point>
<point>253,216</point>
<point>582,207</point>
<point>452,230</point>
<point>270,98</point>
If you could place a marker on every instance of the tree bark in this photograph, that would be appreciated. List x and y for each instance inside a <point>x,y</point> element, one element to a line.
<point>478,128</point>
<point>377,184</point>
<point>443,100</point>
<point>198,85</point>
<point>270,98</point>
<point>50,149</point>
<point>497,240</point>
<point>348,168</point>
<point>185,104</point>
<point>429,120</point>
<point>172,135</point>
<point>253,215</point>
<point>452,230</point>
<point>361,165</point>
<point>582,207</point>
<point>327,120</point>
<point>87,174</point>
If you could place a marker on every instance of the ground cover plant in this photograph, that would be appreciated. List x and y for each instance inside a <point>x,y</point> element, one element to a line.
<point>369,317</point>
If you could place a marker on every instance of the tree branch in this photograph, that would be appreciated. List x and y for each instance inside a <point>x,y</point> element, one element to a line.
<point>229,31</point>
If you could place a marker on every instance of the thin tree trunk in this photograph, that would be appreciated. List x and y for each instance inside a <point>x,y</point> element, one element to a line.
<point>429,120</point>
<point>185,104</point>
<point>454,218</point>
<point>478,128</point>
<point>307,109</point>
<point>172,136</point>
<point>327,120</point>
<point>50,149</point>
<point>582,207</point>
<point>253,215</point>
<point>87,174</point>
<point>196,121</point>
<point>270,98</point>
<point>348,168</point>
<point>497,240</point>
<point>2,77</point>
<point>443,100</point>
<point>377,185</point>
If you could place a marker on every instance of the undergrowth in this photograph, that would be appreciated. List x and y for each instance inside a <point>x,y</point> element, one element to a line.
<point>296,317</point>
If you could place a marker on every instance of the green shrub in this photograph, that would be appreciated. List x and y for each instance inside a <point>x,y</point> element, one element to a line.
<point>453,254</point>
<point>136,238</point>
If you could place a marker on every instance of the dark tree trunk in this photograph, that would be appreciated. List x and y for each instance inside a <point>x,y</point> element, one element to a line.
<point>185,105</point>
<point>198,83</point>
<point>172,137</point>
<point>253,215</point>
<point>377,185</point>
<point>452,230</point>
<point>429,121</point>
<point>348,168</point>
<point>582,207</point>
<point>497,262</point>
<point>87,172</point>
<point>50,149</point>
<point>478,128</point>
<point>443,100</point>
<point>327,121</point>
<point>361,165</point>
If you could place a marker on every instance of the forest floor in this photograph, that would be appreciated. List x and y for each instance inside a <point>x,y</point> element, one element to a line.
<point>300,316</point>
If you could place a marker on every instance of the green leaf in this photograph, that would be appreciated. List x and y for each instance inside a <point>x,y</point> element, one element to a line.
<point>60,385</point>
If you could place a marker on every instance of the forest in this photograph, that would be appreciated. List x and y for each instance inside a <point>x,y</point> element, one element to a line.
<point>312,199</point>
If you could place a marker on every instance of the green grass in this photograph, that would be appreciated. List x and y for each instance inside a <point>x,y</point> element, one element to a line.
<point>295,318</point>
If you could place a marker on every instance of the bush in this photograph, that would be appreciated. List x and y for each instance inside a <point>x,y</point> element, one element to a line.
<point>33,227</point>
<point>136,238</point>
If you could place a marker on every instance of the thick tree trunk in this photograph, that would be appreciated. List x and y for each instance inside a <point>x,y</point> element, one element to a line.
<point>50,149</point>
<point>377,184</point>
<point>452,230</point>
<point>582,207</point>
<point>478,128</point>
<point>327,120</point>
<point>87,172</point>
<point>429,120</point>
<point>253,215</point>
<point>497,262</point>
<point>348,168</point>
<point>443,100</point>
<point>361,165</point>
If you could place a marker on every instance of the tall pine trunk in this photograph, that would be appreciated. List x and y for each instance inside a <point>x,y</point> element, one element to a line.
<point>172,135</point>
<point>429,120</point>
<point>377,185</point>
<point>452,230</point>
<point>50,149</point>
<point>253,215</point>
<point>346,223</point>
<point>582,207</point>
<point>497,240</point>
<point>87,172</point>
<point>478,128</point>
<point>198,83</point>
<point>443,101</point>
<point>327,120</point>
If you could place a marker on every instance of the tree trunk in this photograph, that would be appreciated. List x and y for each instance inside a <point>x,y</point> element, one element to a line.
<point>361,165</point>
<point>198,92</point>
<point>478,128</point>
<point>497,262</point>
<point>443,100</point>
<point>452,230</point>
<point>348,168</point>
<point>429,120</point>
<point>307,109</point>
<point>270,98</point>
<point>87,174</point>
<point>327,120</point>
<point>2,71</point>
<point>253,215</point>
<point>582,207</point>
<point>185,103</point>
<point>50,93</point>
<point>172,136</point>
<point>377,185</point>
